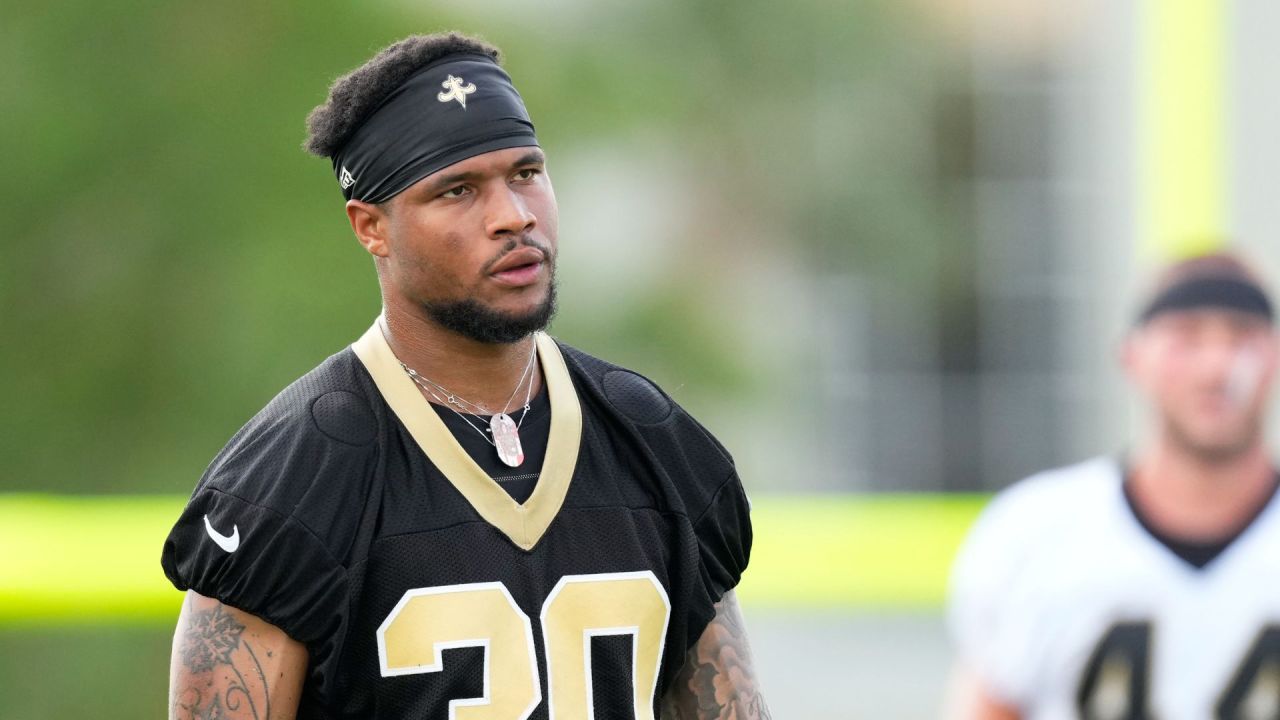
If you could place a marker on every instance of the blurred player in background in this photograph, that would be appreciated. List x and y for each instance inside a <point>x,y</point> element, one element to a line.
<point>1147,586</point>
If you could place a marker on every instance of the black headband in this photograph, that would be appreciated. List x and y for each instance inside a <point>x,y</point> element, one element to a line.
<point>1227,293</point>
<point>450,110</point>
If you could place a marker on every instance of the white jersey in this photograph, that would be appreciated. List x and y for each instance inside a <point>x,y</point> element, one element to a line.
<point>1066,607</point>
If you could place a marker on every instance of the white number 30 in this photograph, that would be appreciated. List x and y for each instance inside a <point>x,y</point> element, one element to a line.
<point>580,607</point>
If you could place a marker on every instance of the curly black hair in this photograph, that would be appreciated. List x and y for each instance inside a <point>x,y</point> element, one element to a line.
<point>353,97</point>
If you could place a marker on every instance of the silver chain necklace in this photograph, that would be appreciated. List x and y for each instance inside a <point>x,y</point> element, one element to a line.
<point>505,431</point>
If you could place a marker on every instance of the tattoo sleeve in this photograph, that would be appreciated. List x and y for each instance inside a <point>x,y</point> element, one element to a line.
<point>230,665</point>
<point>718,681</point>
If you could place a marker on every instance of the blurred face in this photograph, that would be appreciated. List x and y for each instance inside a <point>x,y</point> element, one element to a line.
<point>1207,374</point>
<point>475,245</point>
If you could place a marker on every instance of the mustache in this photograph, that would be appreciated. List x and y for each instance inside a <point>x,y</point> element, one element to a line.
<point>512,244</point>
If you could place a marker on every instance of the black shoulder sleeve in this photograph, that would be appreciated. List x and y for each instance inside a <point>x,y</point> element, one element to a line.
<point>705,484</point>
<point>271,523</point>
<point>724,538</point>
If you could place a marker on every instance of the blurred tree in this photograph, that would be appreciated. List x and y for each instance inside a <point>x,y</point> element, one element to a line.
<point>173,258</point>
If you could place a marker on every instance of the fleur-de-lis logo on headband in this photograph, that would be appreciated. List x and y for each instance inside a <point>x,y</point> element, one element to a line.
<point>457,91</point>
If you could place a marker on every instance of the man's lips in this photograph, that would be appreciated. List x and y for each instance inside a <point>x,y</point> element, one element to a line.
<point>519,267</point>
<point>519,276</point>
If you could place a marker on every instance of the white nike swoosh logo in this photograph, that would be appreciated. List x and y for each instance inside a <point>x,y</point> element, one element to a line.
<point>226,542</point>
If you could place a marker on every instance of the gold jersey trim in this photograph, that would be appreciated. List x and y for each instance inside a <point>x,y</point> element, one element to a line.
<point>523,524</point>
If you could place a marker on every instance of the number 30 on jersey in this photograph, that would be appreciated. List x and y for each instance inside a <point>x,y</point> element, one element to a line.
<point>429,620</point>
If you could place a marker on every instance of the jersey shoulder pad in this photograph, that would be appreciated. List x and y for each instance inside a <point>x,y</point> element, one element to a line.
<point>689,454</point>
<point>1013,531</point>
<point>315,431</point>
<point>1038,504</point>
<point>631,394</point>
<point>651,410</point>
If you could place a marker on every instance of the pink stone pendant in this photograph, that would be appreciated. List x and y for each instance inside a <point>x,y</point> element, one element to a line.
<point>506,437</point>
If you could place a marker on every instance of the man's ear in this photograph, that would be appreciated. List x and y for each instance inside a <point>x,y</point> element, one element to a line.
<point>370,224</point>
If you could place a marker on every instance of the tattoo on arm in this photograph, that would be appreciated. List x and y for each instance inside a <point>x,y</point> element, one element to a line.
<point>718,680</point>
<point>220,676</point>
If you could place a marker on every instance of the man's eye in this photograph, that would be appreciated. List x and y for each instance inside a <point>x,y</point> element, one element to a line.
<point>527,174</point>
<point>455,192</point>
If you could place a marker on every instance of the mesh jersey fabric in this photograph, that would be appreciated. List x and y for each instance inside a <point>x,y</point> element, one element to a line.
<point>341,515</point>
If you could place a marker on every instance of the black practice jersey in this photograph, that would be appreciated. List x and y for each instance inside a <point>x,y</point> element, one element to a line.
<point>348,515</point>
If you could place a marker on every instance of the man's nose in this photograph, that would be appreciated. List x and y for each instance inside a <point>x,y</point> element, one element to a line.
<point>507,215</point>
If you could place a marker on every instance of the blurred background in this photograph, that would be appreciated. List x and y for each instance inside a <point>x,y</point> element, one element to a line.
<point>884,250</point>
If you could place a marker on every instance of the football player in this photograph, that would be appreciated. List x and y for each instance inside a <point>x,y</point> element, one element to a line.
<point>458,516</point>
<point>1146,586</point>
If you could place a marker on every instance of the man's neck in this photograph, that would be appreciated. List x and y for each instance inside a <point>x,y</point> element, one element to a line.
<point>1187,497</point>
<point>478,372</point>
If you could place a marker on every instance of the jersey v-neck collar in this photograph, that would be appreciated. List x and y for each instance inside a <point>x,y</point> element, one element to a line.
<point>524,524</point>
<point>1196,555</point>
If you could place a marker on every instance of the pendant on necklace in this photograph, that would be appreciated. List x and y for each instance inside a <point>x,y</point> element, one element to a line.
<point>506,438</point>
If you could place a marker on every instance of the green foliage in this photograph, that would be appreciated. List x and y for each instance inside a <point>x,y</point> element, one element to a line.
<point>173,258</point>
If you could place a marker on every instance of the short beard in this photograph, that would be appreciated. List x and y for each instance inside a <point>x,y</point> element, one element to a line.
<point>475,321</point>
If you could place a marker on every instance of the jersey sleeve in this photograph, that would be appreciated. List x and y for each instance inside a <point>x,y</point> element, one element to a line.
<point>990,617</point>
<point>712,494</point>
<point>720,515</point>
<point>270,524</point>
<point>724,538</point>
